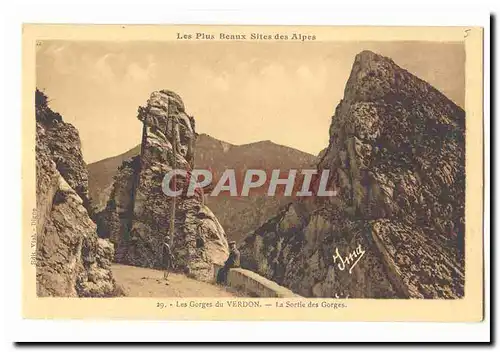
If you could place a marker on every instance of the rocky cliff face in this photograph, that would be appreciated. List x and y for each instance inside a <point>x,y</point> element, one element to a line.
<point>71,259</point>
<point>397,161</point>
<point>101,174</point>
<point>138,213</point>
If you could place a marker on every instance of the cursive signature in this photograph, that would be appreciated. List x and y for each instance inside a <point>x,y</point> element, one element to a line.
<point>350,260</point>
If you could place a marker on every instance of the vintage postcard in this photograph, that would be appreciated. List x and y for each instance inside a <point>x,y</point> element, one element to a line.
<point>252,172</point>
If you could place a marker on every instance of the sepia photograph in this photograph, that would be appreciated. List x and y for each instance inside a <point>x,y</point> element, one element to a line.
<point>256,168</point>
<point>113,119</point>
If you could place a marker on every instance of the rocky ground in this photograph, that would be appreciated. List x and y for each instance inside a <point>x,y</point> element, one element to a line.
<point>143,282</point>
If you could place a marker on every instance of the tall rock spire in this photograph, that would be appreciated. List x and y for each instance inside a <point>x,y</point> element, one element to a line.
<point>138,215</point>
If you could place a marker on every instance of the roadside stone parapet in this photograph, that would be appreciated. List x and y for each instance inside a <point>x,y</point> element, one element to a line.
<point>251,283</point>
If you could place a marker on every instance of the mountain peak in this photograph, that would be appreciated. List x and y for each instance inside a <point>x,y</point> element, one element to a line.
<point>367,55</point>
<point>396,158</point>
<point>378,78</point>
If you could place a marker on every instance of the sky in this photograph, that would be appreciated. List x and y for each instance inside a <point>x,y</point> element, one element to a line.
<point>238,92</point>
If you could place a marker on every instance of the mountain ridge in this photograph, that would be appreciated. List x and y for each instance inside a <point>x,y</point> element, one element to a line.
<point>215,155</point>
<point>102,171</point>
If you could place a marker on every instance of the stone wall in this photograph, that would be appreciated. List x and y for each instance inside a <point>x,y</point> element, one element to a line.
<point>253,284</point>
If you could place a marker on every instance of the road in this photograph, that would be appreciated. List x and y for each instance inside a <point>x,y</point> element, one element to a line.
<point>144,282</point>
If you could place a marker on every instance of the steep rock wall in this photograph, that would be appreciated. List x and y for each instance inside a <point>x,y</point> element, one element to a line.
<point>397,161</point>
<point>71,259</point>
